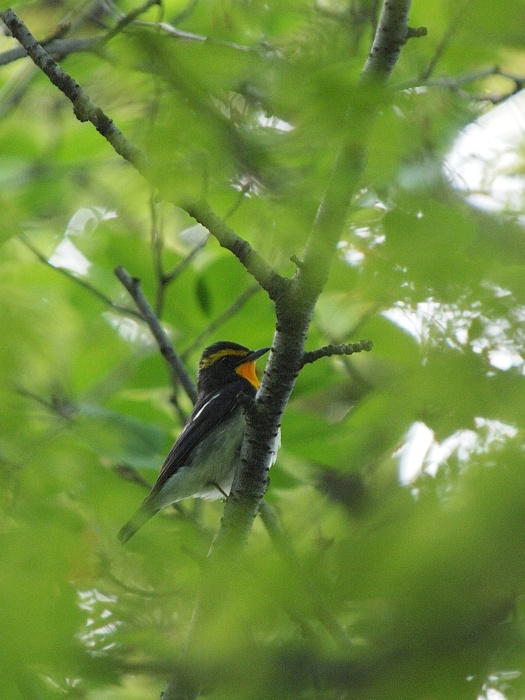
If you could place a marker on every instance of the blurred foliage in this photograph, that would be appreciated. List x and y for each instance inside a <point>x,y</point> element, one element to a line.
<point>400,479</point>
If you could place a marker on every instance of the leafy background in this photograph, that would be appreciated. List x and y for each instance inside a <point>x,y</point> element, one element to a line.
<point>424,573</point>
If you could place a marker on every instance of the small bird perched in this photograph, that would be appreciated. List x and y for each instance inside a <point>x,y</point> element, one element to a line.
<point>202,461</point>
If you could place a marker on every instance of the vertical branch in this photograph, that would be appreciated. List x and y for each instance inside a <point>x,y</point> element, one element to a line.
<point>295,301</point>
<point>390,36</point>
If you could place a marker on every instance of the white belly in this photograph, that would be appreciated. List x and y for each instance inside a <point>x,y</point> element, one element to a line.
<point>214,462</point>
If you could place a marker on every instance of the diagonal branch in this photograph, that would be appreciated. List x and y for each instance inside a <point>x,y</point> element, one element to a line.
<point>82,283</point>
<point>256,265</point>
<point>58,47</point>
<point>295,299</point>
<point>453,27</point>
<point>177,367</point>
<point>84,109</point>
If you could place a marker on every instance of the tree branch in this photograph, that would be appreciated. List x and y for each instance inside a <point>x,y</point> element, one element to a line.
<point>295,301</point>
<point>256,265</point>
<point>454,25</point>
<point>82,283</point>
<point>84,109</point>
<point>390,36</point>
<point>329,350</point>
<point>172,31</point>
<point>455,84</point>
<point>59,48</point>
<point>178,370</point>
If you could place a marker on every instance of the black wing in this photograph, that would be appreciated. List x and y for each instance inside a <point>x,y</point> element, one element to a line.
<point>208,413</point>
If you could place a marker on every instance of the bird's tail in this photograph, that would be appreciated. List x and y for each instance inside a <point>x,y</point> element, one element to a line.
<point>143,514</point>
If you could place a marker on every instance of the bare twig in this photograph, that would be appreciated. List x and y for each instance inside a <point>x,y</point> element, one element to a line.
<point>448,81</point>
<point>183,264</point>
<point>157,246</point>
<point>416,32</point>
<point>86,110</point>
<point>128,19</point>
<point>128,473</point>
<point>58,404</point>
<point>82,283</point>
<point>58,47</point>
<point>172,31</point>
<point>329,350</point>
<point>445,39</point>
<point>239,200</point>
<point>178,370</point>
<point>455,84</point>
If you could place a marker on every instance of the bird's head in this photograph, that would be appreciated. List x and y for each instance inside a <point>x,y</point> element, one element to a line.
<point>225,362</point>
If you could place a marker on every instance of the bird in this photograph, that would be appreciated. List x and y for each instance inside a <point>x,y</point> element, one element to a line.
<point>202,461</point>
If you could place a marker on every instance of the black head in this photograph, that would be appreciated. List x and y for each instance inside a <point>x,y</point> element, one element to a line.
<point>225,362</point>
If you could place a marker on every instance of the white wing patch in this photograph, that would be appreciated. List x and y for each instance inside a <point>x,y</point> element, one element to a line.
<point>204,406</point>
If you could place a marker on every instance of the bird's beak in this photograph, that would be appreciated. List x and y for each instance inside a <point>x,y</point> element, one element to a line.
<point>253,356</point>
<point>246,366</point>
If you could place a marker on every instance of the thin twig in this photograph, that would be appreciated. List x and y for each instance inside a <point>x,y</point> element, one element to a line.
<point>178,370</point>
<point>454,25</point>
<point>172,31</point>
<point>455,84</point>
<point>82,283</point>
<point>239,200</point>
<point>58,47</point>
<point>128,19</point>
<point>86,110</point>
<point>183,264</point>
<point>329,350</point>
<point>58,405</point>
<point>129,473</point>
<point>157,246</point>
